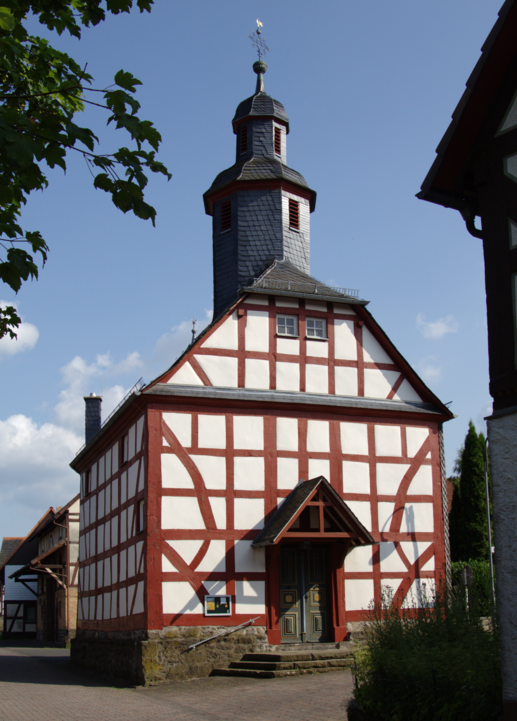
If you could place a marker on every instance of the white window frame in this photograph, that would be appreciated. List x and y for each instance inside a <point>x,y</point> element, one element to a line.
<point>311,332</point>
<point>287,317</point>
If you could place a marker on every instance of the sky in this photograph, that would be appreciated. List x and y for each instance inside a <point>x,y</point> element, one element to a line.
<point>369,87</point>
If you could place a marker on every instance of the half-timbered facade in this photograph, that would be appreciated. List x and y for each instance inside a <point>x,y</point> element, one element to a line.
<point>286,468</point>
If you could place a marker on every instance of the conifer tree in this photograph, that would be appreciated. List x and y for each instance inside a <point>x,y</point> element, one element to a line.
<point>467,519</point>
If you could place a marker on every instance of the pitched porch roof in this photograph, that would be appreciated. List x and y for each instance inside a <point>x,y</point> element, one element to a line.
<point>316,493</point>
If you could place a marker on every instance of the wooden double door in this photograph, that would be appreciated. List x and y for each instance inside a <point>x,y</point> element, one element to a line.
<point>304,593</point>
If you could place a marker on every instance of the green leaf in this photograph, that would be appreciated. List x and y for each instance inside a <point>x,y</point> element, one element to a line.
<point>127,81</point>
<point>7,22</point>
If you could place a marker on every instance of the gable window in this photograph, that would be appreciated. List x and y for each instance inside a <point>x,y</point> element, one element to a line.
<point>278,141</point>
<point>316,328</point>
<point>124,450</point>
<point>226,215</point>
<point>294,214</point>
<point>287,325</point>
<point>87,482</point>
<point>243,139</point>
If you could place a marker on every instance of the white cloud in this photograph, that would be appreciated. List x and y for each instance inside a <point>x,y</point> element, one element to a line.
<point>437,328</point>
<point>27,338</point>
<point>429,370</point>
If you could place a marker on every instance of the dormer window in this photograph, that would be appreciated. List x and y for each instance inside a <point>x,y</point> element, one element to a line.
<point>243,139</point>
<point>294,214</point>
<point>278,141</point>
<point>226,215</point>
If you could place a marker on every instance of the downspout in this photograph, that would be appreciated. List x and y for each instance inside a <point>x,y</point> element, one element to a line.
<point>468,213</point>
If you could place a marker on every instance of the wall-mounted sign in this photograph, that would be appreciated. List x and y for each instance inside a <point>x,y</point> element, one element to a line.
<point>218,605</point>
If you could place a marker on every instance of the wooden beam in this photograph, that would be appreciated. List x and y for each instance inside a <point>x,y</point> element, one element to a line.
<point>308,535</point>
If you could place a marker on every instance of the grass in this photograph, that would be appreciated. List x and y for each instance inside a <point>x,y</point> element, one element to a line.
<point>434,663</point>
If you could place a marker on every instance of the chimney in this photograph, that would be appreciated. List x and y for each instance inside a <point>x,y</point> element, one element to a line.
<point>92,416</point>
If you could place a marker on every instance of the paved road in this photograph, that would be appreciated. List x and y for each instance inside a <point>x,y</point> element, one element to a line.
<point>38,684</point>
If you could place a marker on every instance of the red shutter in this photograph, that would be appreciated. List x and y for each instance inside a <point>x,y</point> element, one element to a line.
<point>294,214</point>
<point>243,147</point>
<point>278,141</point>
<point>226,215</point>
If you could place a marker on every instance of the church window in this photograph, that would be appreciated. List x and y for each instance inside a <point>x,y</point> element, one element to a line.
<point>243,139</point>
<point>317,328</point>
<point>287,325</point>
<point>294,214</point>
<point>226,215</point>
<point>278,141</point>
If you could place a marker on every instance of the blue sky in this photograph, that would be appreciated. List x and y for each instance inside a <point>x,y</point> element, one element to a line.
<point>369,88</point>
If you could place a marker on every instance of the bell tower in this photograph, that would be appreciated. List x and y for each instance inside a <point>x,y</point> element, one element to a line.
<point>260,207</point>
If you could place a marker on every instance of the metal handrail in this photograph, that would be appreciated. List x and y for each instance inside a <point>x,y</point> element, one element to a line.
<point>223,633</point>
<point>312,288</point>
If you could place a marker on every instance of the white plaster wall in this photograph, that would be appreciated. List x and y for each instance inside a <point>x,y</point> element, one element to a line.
<point>225,336</point>
<point>91,584</point>
<point>318,305</point>
<point>179,597</point>
<point>385,512</point>
<point>248,559</point>
<point>139,433</point>
<point>220,370</point>
<point>139,598</point>
<point>362,510</point>
<point>415,437</point>
<point>422,483</point>
<point>420,594</point>
<point>123,565</point>
<point>114,494</point>
<point>101,471</point>
<point>359,560</point>
<point>249,513</point>
<point>219,510</point>
<point>414,549</point>
<point>256,337</point>
<point>417,517</point>
<point>174,473</point>
<point>358,593</point>
<point>388,441</point>
<point>123,602</point>
<point>132,477</point>
<point>285,302</point>
<point>114,529</point>
<point>287,376</point>
<point>373,352</point>
<point>291,346</point>
<point>123,488</point>
<point>187,549</point>
<point>181,512</point>
<point>354,438</point>
<point>356,477</point>
<point>256,373</point>
<point>211,431</point>
<point>131,442</point>
<point>389,476</point>
<point>213,470</point>
<point>318,436</point>
<point>317,349</point>
<point>319,467</point>
<point>250,597</point>
<point>215,558</point>
<point>343,308</point>
<point>185,376</point>
<point>510,120</point>
<point>107,572</point>
<point>389,586</point>
<point>345,344</point>
<point>287,473</point>
<point>114,595</point>
<point>257,299</point>
<point>346,382</point>
<point>378,383</point>
<point>248,473</point>
<point>406,392</point>
<point>391,562</point>
<point>287,434</point>
<point>181,425</point>
<point>316,378</point>
<point>131,561</point>
<point>248,432</point>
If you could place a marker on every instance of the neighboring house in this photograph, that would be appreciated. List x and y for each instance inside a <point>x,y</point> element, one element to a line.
<point>56,566</point>
<point>287,468</point>
<point>9,545</point>
<point>475,172</point>
<point>19,596</point>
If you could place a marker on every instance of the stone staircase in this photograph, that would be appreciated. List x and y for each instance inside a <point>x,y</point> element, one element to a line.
<point>292,660</point>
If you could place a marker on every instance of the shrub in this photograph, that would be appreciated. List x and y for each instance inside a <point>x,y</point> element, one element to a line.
<point>435,663</point>
<point>479,592</point>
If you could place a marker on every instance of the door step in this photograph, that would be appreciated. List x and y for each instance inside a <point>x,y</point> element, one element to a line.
<point>290,663</point>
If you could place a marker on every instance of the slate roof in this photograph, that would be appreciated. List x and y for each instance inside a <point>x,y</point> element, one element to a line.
<point>9,546</point>
<point>261,168</point>
<point>261,104</point>
<point>292,504</point>
<point>283,275</point>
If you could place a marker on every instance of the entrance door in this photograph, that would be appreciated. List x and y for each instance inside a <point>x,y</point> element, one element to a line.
<point>304,593</point>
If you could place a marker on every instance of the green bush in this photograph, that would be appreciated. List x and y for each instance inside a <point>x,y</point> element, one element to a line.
<point>434,663</point>
<point>479,591</point>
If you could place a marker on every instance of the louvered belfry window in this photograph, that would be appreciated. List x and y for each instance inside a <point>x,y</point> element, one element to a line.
<point>226,215</point>
<point>278,141</point>
<point>243,145</point>
<point>294,214</point>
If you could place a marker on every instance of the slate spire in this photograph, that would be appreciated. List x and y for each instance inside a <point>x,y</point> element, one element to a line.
<point>260,206</point>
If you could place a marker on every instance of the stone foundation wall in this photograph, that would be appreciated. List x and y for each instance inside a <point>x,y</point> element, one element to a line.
<point>147,658</point>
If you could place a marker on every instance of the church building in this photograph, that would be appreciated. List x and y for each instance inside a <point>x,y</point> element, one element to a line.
<point>284,470</point>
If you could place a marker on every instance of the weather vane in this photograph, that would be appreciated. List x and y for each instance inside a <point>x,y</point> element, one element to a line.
<point>258,41</point>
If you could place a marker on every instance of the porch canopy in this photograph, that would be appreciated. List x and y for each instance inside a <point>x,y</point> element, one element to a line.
<point>313,511</point>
